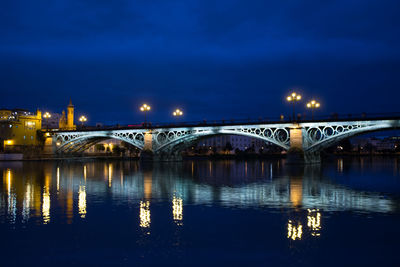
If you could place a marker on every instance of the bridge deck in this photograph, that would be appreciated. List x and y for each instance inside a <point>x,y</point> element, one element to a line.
<point>232,122</point>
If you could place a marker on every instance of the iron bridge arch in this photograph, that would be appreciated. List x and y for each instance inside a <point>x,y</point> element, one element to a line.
<point>71,142</point>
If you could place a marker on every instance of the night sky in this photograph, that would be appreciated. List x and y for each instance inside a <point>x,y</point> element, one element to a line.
<point>214,59</point>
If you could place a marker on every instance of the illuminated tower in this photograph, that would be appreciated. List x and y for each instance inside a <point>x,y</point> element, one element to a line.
<point>39,117</point>
<point>70,116</point>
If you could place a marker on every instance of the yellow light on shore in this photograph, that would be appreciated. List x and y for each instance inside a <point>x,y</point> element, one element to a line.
<point>9,142</point>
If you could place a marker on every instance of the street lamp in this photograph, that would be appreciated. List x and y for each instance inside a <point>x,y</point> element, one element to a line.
<point>82,119</point>
<point>294,97</point>
<point>313,105</point>
<point>177,113</point>
<point>47,116</point>
<point>145,108</point>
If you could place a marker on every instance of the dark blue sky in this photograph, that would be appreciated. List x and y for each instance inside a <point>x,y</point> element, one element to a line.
<point>215,59</point>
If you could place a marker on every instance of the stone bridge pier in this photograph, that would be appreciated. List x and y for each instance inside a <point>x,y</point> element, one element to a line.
<point>151,151</point>
<point>298,152</point>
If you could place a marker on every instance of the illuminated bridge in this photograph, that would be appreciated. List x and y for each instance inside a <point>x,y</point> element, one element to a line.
<point>305,139</point>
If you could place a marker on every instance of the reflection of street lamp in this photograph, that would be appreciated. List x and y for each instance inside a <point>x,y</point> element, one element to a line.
<point>294,231</point>
<point>313,105</point>
<point>145,108</point>
<point>293,98</point>
<point>47,116</point>
<point>82,119</point>
<point>177,113</point>
<point>314,221</point>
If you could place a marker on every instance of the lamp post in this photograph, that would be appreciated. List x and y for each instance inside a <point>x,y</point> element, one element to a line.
<point>145,108</point>
<point>82,119</point>
<point>313,105</point>
<point>293,97</point>
<point>47,116</point>
<point>177,113</point>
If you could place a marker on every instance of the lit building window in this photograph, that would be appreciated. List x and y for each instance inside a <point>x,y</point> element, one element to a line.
<point>9,142</point>
<point>30,125</point>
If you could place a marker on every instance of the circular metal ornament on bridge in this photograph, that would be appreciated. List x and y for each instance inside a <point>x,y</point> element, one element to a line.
<point>281,135</point>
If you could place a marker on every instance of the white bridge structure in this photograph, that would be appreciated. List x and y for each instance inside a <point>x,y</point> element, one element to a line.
<point>303,140</point>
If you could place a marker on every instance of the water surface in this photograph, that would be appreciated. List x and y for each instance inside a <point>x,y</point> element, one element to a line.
<point>343,212</point>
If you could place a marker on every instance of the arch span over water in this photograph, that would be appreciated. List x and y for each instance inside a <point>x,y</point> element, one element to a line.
<point>312,137</point>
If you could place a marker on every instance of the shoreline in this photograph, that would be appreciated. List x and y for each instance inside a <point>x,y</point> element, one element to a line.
<point>204,157</point>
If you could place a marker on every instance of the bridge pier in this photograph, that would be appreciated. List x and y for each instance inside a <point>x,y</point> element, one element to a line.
<point>297,153</point>
<point>168,157</point>
<point>147,153</point>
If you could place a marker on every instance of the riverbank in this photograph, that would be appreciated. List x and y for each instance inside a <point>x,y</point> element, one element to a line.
<point>22,157</point>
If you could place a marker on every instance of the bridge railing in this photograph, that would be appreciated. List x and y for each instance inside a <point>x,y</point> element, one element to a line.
<point>248,121</point>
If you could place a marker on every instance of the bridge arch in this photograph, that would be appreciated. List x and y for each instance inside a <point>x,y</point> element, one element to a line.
<point>314,137</point>
<point>317,138</point>
<point>175,140</point>
<point>70,142</point>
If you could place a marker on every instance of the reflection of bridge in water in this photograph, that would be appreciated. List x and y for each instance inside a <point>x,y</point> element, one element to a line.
<point>42,193</point>
<point>28,191</point>
<point>307,191</point>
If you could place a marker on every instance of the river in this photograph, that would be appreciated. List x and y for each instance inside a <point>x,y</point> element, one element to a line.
<point>200,213</point>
